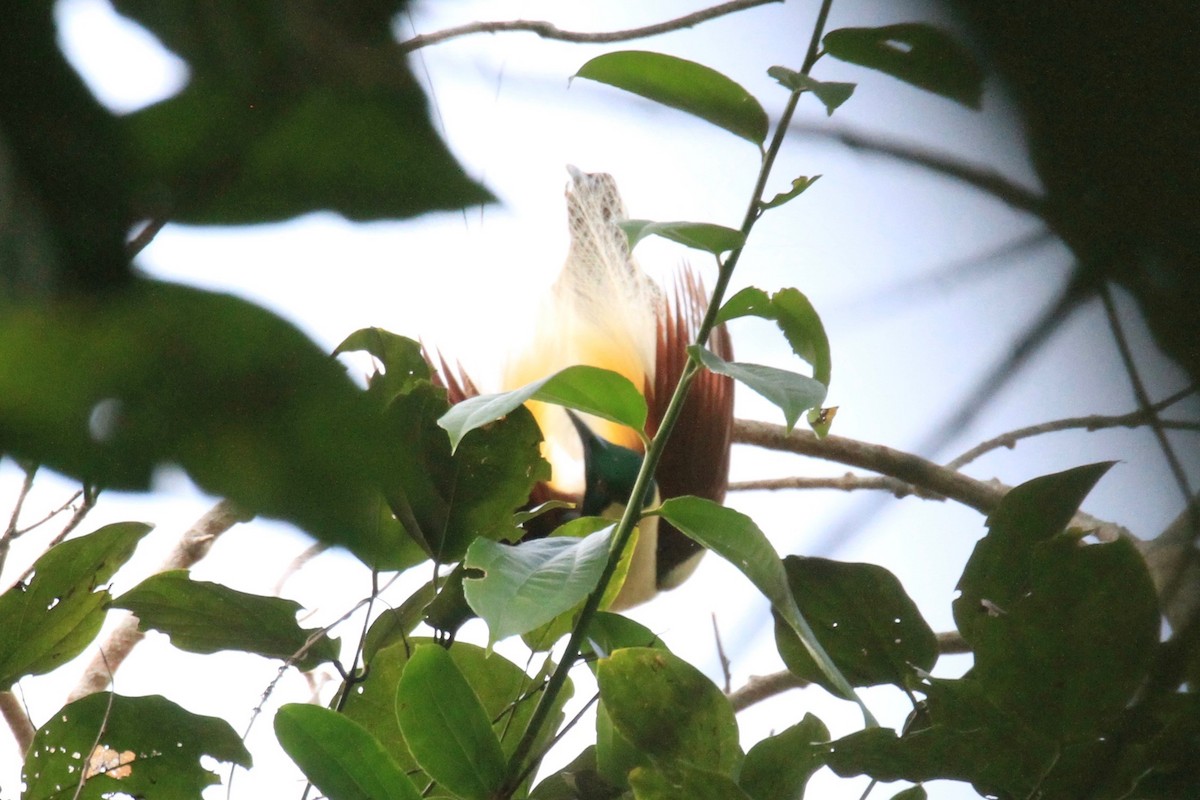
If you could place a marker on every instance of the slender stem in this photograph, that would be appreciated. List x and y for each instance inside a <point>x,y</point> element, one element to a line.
<point>548,30</point>
<point>516,766</point>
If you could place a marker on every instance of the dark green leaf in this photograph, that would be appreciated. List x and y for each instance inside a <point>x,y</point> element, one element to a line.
<point>831,94</point>
<point>998,570</point>
<point>669,710</point>
<point>683,782</point>
<point>690,87</point>
<point>736,538</point>
<point>401,358</point>
<point>609,632</point>
<point>911,793</point>
<point>164,374</point>
<point>779,766</point>
<point>396,624</point>
<point>446,727</point>
<point>579,780</point>
<point>446,500</point>
<point>507,693</point>
<point>339,756</point>
<point>52,618</point>
<point>796,318</point>
<point>962,737</point>
<point>915,53</point>
<point>792,392</point>
<point>347,130</point>
<point>529,584</point>
<point>592,390</point>
<point>1069,653</point>
<point>132,746</point>
<point>202,617</point>
<point>799,185</point>
<point>710,238</point>
<point>862,616</point>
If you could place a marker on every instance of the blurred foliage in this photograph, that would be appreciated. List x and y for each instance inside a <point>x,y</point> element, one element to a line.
<point>295,107</point>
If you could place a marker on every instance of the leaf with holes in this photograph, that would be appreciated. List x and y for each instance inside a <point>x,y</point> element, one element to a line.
<point>52,618</point>
<point>916,53</point>
<point>862,616</point>
<point>112,745</point>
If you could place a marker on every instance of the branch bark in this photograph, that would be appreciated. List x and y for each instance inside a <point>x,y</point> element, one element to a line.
<point>548,30</point>
<point>191,548</point>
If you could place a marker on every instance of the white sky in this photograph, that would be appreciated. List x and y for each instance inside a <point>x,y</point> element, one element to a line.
<point>902,361</point>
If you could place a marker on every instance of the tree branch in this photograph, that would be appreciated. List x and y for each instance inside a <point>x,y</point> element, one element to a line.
<point>926,479</point>
<point>1095,422</point>
<point>191,548</point>
<point>845,483</point>
<point>763,687</point>
<point>548,30</point>
<point>18,721</point>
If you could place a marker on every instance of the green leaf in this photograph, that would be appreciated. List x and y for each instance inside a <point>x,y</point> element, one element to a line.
<point>616,757</point>
<point>579,780</point>
<point>916,53</point>
<point>446,727</point>
<point>203,617</point>
<point>266,153</point>
<point>685,85</point>
<point>998,570</point>
<point>799,185</point>
<point>911,793</point>
<point>864,619</point>
<point>796,318</point>
<point>736,538</point>
<point>52,618</point>
<point>110,388</point>
<point>339,756</point>
<point>396,624</point>
<point>609,632</point>
<point>960,735</point>
<point>683,782</point>
<point>715,239</point>
<point>401,358</point>
<point>780,765</point>
<point>131,746</point>
<point>596,391</point>
<point>445,500</point>
<point>529,584</point>
<point>792,392</point>
<point>831,94</point>
<point>1071,651</point>
<point>507,693</point>
<point>669,710</point>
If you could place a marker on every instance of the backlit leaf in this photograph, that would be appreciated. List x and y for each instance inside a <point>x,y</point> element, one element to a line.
<point>792,392</point>
<point>682,84</point>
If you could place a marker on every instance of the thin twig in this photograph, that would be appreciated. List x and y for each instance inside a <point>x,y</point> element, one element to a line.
<point>845,483</point>
<point>1095,422</point>
<point>191,548</point>
<point>10,532</point>
<point>1140,394</point>
<point>548,30</point>
<point>725,663</point>
<point>89,496</point>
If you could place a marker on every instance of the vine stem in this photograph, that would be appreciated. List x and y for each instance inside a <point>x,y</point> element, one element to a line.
<point>517,767</point>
